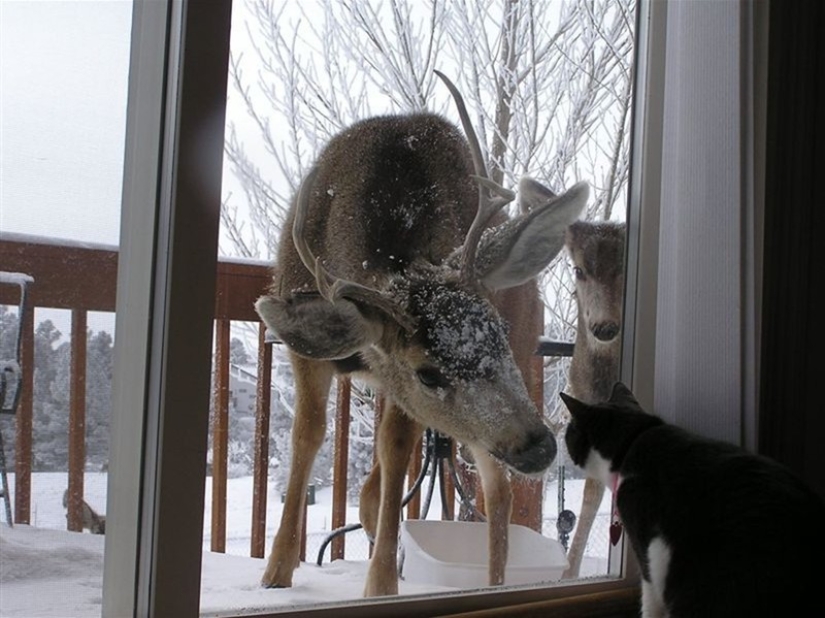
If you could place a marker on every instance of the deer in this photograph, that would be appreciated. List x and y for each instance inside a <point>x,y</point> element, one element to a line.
<point>597,252</point>
<point>390,267</point>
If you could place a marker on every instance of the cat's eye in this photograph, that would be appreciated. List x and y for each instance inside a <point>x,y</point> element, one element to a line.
<point>579,273</point>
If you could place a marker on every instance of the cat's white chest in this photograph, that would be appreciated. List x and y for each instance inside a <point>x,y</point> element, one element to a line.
<point>598,467</point>
<point>653,592</point>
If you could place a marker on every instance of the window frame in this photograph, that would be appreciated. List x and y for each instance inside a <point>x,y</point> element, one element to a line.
<point>164,322</point>
<point>166,291</point>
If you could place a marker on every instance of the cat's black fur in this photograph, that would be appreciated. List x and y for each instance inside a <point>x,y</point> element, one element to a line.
<point>746,537</point>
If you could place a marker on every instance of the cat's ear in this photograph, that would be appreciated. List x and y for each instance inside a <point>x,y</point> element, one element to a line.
<point>622,396</point>
<point>575,406</point>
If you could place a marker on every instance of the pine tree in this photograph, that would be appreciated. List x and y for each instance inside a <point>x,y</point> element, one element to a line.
<point>99,356</point>
<point>8,352</point>
<point>50,425</point>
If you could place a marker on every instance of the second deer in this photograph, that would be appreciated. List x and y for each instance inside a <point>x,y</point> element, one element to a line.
<point>597,252</point>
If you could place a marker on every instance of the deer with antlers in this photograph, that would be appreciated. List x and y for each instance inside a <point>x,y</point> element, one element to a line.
<point>388,269</point>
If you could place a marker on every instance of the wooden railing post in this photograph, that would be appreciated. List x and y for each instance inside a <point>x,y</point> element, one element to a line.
<point>77,421</point>
<point>340,462</point>
<point>260,471</point>
<point>23,440</point>
<point>220,435</point>
<point>528,494</point>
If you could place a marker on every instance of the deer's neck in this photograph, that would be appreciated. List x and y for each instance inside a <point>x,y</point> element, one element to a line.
<point>593,369</point>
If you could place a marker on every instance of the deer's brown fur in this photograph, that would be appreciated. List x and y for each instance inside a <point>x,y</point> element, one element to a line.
<point>386,275</point>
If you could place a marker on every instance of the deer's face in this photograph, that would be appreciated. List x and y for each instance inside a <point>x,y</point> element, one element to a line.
<point>597,251</point>
<point>456,373</point>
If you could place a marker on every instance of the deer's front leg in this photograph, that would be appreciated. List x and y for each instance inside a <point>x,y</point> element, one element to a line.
<point>498,502</point>
<point>369,502</point>
<point>593,493</point>
<point>312,382</point>
<point>397,435</point>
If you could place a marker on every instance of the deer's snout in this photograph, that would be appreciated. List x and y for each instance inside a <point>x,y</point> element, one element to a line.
<point>535,455</point>
<point>605,331</point>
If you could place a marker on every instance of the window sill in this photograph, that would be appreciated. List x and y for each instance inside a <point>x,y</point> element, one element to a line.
<point>588,598</point>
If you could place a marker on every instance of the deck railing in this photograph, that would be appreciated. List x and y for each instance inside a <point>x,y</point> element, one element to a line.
<point>82,278</point>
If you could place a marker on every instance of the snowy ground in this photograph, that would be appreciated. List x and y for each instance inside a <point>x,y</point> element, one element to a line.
<point>48,572</point>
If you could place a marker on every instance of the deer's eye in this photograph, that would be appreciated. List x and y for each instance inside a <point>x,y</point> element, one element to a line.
<point>579,273</point>
<point>431,377</point>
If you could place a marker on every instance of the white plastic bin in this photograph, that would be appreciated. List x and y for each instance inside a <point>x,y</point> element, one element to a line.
<point>454,553</point>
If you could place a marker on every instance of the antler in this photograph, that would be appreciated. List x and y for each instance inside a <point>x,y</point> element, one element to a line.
<point>487,205</point>
<point>330,287</point>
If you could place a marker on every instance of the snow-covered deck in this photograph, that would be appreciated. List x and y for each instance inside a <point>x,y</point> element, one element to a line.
<point>50,573</point>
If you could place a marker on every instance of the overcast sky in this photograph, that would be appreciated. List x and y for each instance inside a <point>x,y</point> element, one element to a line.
<point>63,86</point>
<point>64,68</point>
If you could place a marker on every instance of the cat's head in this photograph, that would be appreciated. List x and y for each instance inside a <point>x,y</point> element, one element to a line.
<point>599,434</point>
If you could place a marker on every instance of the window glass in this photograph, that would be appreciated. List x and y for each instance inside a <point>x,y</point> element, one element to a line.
<point>548,88</point>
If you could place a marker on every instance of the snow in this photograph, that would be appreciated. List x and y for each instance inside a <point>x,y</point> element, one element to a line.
<point>50,573</point>
<point>475,350</point>
<point>15,278</point>
<point>55,241</point>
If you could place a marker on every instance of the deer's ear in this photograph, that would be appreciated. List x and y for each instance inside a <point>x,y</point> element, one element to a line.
<point>532,194</point>
<point>316,328</point>
<point>518,250</point>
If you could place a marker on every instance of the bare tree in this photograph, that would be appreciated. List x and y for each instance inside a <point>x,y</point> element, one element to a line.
<point>548,83</point>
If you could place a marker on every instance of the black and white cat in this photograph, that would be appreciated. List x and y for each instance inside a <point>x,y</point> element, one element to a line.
<point>717,531</point>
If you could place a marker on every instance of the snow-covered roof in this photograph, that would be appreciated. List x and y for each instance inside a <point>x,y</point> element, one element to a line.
<point>35,239</point>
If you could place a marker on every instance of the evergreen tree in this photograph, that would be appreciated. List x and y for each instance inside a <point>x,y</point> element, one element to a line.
<point>51,399</point>
<point>237,352</point>
<point>8,352</point>
<point>99,357</point>
<point>8,333</point>
<point>52,373</point>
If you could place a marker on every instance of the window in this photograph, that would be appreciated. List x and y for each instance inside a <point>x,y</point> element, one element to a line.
<point>168,510</point>
<point>549,85</point>
<point>167,265</point>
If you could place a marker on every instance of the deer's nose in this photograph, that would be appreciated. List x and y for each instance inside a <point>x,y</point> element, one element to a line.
<point>536,454</point>
<point>605,331</point>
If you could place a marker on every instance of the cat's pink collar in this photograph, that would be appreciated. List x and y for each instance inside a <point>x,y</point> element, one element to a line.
<point>616,519</point>
<point>615,481</point>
